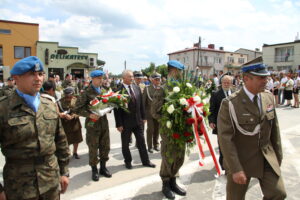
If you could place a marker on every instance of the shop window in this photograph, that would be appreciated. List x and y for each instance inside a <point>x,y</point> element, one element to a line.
<point>1,56</point>
<point>5,31</point>
<point>22,52</point>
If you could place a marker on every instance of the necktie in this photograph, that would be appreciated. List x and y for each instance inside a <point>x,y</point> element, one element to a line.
<point>227,94</point>
<point>255,98</point>
<point>131,94</point>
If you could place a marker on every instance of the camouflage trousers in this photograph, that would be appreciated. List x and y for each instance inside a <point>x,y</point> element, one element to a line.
<point>52,194</point>
<point>170,169</point>
<point>152,133</point>
<point>98,140</point>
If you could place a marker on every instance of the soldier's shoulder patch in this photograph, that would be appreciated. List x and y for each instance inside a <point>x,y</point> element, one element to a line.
<point>2,98</point>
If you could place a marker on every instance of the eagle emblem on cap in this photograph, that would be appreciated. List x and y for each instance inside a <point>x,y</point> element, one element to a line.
<point>37,67</point>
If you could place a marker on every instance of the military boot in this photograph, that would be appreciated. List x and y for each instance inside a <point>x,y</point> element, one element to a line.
<point>103,170</point>
<point>95,175</point>
<point>175,188</point>
<point>166,190</point>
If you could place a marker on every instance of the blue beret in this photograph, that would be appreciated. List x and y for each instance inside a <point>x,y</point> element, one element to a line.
<point>176,64</point>
<point>96,73</point>
<point>31,63</point>
<point>257,69</point>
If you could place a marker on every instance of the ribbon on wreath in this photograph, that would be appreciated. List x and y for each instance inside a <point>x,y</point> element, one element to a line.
<point>196,109</point>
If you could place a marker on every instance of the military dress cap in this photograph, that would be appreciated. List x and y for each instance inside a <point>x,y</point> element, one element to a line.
<point>31,63</point>
<point>257,69</point>
<point>97,73</point>
<point>138,74</point>
<point>10,79</point>
<point>51,75</point>
<point>155,75</point>
<point>69,91</point>
<point>176,64</point>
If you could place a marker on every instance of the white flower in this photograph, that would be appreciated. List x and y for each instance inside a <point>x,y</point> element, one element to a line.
<point>189,85</point>
<point>197,99</point>
<point>170,109</point>
<point>183,102</point>
<point>169,124</point>
<point>176,89</point>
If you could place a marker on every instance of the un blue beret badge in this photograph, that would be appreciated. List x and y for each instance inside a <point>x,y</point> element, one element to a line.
<point>37,67</point>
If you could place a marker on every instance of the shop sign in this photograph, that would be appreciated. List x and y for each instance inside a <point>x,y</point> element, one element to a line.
<point>67,56</point>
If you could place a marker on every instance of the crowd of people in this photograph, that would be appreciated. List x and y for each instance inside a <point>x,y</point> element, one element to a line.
<point>42,120</point>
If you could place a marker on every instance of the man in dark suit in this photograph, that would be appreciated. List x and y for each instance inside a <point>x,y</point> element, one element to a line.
<point>132,122</point>
<point>215,103</point>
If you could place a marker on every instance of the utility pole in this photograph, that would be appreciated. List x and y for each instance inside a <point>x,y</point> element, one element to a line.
<point>125,64</point>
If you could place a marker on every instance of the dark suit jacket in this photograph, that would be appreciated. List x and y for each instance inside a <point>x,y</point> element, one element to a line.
<point>136,111</point>
<point>214,106</point>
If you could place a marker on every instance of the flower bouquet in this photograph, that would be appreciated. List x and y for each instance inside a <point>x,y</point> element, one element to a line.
<point>106,102</point>
<point>184,117</point>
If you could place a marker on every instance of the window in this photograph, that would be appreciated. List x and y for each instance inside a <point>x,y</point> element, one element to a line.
<point>218,60</point>
<point>22,52</point>
<point>284,54</point>
<point>230,59</point>
<point>1,56</point>
<point>5,31</point>
<point>241,60</point>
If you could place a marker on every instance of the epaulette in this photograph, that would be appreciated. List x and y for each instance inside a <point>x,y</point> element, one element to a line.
<point>3,97</point>
<point>48,97</point>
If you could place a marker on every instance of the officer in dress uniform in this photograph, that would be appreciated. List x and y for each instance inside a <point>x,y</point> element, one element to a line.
<point>32,139</point>
<point>249,137</point>
<point>9,88</point>
<point>152,124</point>
<point>168,170</point>
<point>97,130</point>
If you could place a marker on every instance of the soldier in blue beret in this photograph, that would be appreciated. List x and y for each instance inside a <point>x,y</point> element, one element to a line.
<point>97,129</point>
<point>33,141</point>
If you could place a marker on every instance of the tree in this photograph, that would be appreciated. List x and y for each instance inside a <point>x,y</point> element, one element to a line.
<point>163,70</point>
<point>149,70</point>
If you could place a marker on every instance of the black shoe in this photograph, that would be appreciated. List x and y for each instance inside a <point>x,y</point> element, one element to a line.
<point>128,165</point>
<point>149,164</point>
<point>156,149</point>
<point>175,188</point>
<point>166,190</point>
<point>150,150</point>
<point>95,175</point>
<point>75,155</point>
<point>103,170</point>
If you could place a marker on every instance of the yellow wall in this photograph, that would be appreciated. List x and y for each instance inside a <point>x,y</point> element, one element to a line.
<point>22,34</point>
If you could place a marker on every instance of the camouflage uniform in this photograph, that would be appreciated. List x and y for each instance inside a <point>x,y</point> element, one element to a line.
<point>168,170</point>
<point>152,123</point>
<point>72,127</point>
<point>97,134</point>
<point>35,148</point>
<point>6,90</point>
<point>70,83</point>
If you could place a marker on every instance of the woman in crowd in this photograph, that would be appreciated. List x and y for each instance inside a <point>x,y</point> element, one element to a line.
<point>276,86</point>
<point>296,90</point>
<point>288,90</point>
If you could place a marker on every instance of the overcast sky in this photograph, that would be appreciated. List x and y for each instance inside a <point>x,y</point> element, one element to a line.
<point>144,31</point>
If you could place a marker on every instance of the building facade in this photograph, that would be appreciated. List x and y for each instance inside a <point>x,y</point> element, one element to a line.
<point>234,61</point>
<point>207,60</point>
<point>62,60</point>
<point>282,56</point>
<point>250,53</point>
<point>17,41</point>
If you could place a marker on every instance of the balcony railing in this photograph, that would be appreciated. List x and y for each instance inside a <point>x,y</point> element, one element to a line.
<point>284,58</point>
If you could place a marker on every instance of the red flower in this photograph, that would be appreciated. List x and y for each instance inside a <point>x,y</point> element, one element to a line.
<point>190,121</point>
<point>94,102</point>
<point>191,101</point>
<point>199,119</point>
<point>119,97</point>
<point>93,120</point>
<point>176,135</point>
<point>187,134</point>
<point>104,100</point>
<point>190,140</point>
